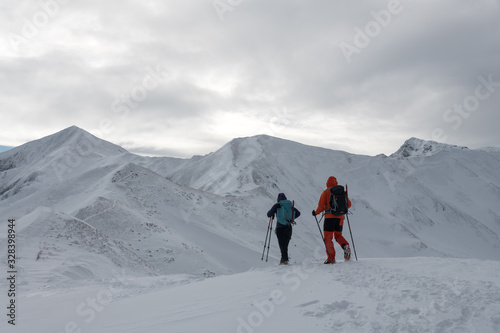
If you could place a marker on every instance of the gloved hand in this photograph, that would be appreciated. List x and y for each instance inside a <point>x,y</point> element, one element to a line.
<point>314,213</point>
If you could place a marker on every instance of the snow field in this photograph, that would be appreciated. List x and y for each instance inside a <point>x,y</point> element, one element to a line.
<point>113,242</point>
<point>372,295</point>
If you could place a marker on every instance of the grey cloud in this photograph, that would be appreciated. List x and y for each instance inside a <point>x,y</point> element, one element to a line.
<point>264,59</point>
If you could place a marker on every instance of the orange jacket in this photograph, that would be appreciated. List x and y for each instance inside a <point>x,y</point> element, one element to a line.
<point>324,200</point>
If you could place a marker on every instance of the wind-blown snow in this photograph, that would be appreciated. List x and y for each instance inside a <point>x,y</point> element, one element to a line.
<point>109,241</point>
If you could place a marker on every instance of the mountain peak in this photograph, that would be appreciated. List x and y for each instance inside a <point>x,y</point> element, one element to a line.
<point>415,147</point>
<point>63,144</point>
<point>69,133</point>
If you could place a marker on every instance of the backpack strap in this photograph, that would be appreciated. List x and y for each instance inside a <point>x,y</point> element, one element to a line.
<point>329,210</point>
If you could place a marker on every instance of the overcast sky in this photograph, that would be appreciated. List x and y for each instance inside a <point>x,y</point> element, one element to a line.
<point>183,77</point>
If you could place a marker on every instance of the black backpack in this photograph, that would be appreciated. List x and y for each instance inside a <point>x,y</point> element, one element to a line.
<point>338,201</point>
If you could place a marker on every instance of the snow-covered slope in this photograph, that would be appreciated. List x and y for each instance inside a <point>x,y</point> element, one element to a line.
<point>372,295</point>
<point>405,204</point>
<point>173,228</point>
<point>426,199</point>
<point>140,235</point>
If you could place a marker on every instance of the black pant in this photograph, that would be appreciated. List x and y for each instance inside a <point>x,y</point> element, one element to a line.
<point>332,224</point>
<point>284,235</point>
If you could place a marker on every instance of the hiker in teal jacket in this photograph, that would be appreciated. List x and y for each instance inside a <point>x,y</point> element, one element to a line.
<point>284,225</point>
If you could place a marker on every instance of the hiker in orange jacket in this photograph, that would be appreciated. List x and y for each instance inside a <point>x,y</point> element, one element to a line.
<point>332,226</point>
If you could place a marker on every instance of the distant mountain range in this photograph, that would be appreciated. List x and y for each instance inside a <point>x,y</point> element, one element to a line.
<point>4,148</point>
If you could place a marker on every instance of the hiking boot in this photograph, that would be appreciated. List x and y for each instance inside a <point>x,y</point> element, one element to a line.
<point>329,262</point>
<point>347,252</point>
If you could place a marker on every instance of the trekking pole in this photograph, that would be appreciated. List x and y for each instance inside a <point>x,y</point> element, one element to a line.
<point>322,237</point>
<point>269,227</point>
<point>349,225</point>
<point>269,242</point>
<point>352,240</point>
